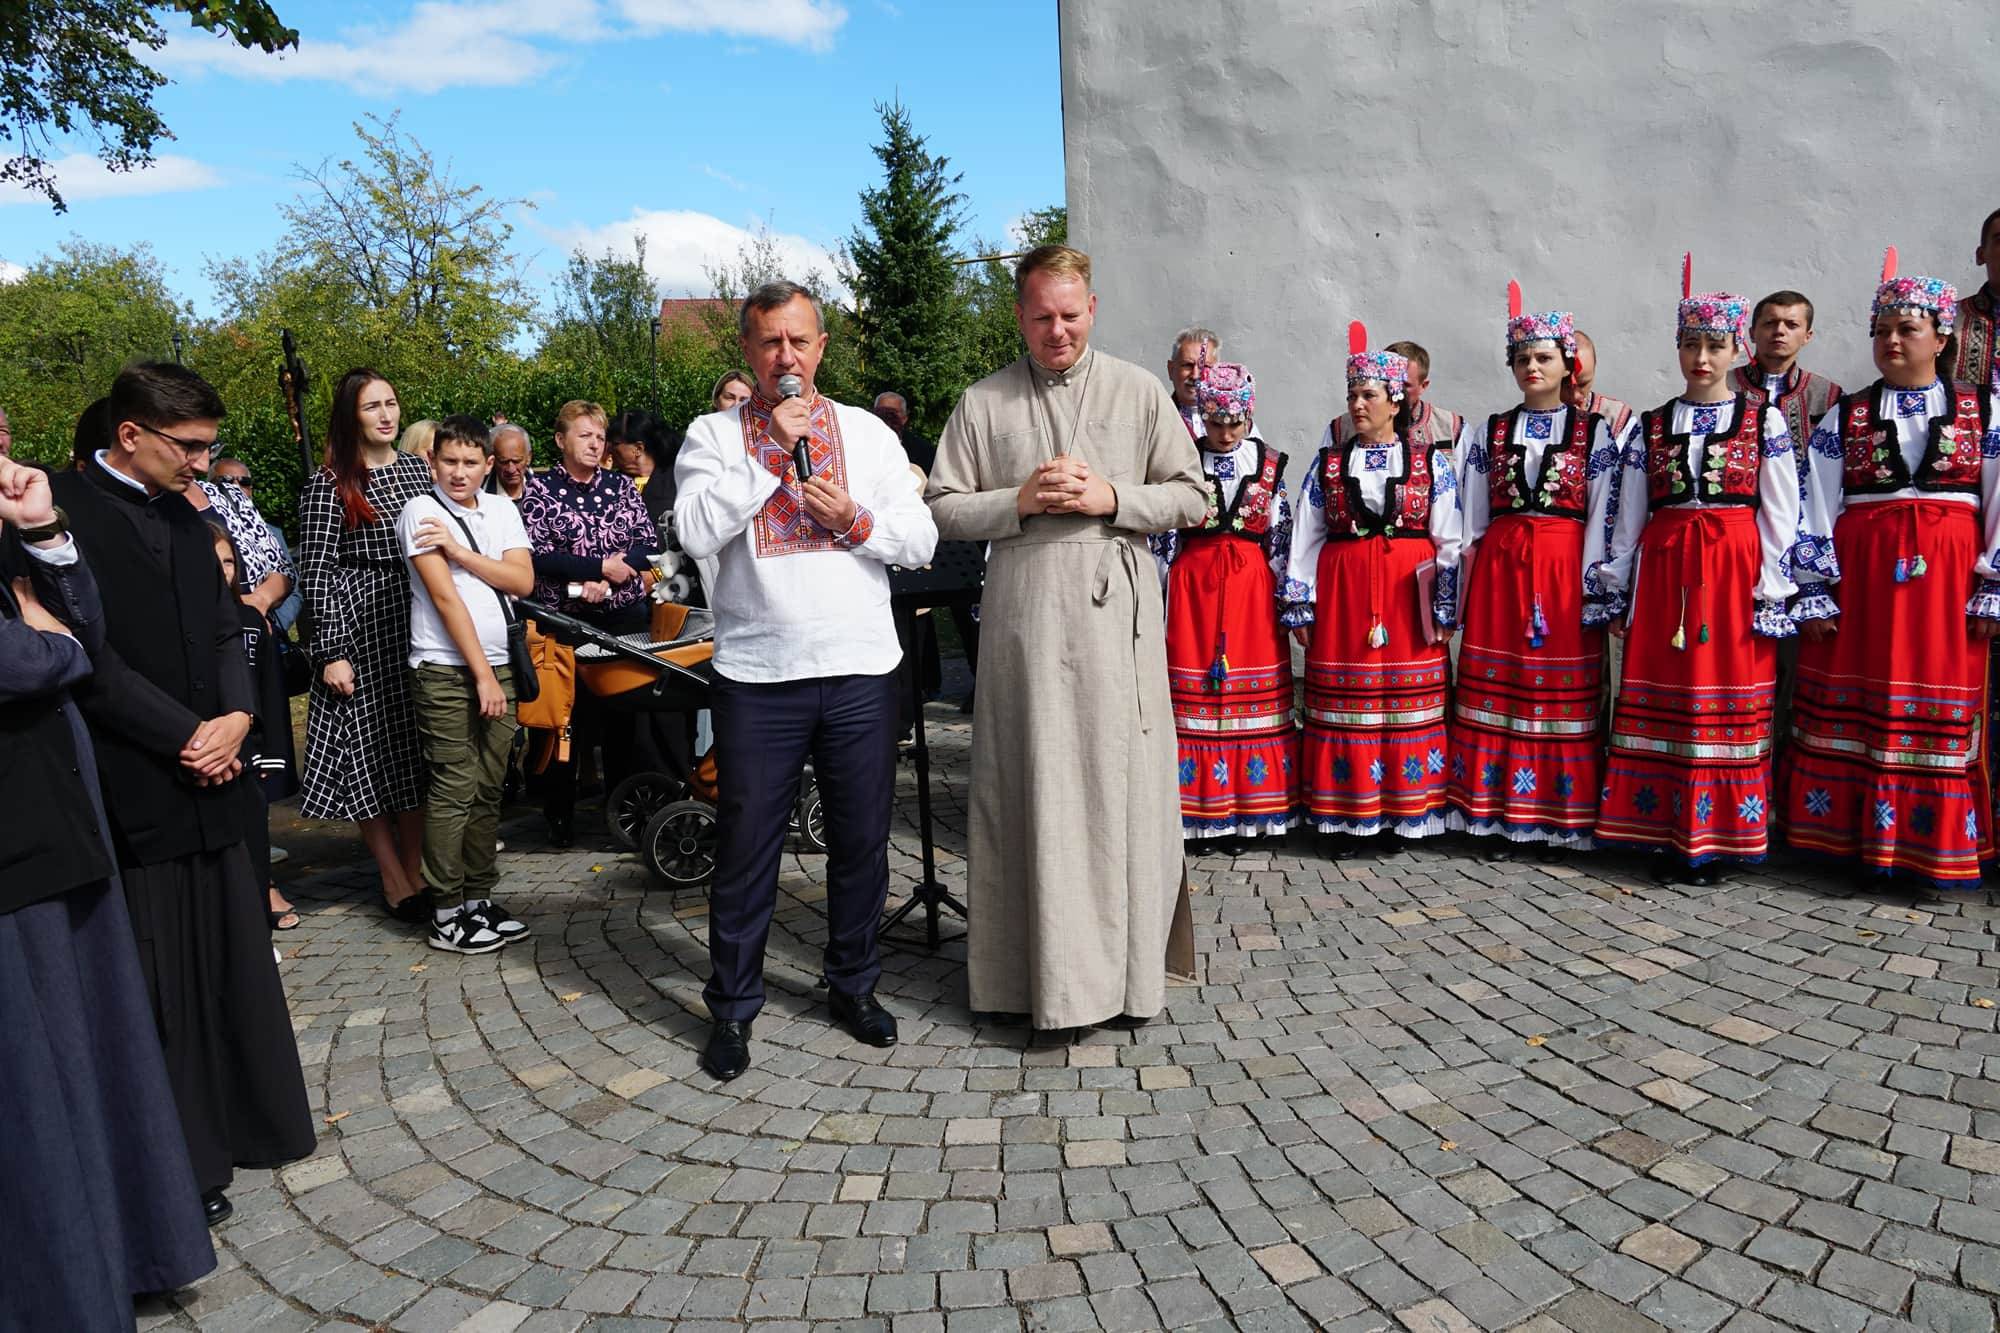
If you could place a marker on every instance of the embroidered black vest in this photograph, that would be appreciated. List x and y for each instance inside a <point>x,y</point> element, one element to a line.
<point>1255,507</point>
<point>1564,487</point>
<point>1730,479</point>
<point>1874,457</point>
<point>1406,507</point>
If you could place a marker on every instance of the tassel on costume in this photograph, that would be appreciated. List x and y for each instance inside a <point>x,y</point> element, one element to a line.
<point>1680,639</point>
<point>1218,670</point>
<point>1538,625</point>
<point>1378,636</point>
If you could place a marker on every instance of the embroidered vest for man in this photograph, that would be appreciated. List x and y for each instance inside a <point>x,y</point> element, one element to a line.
<point>1803,400</point>
<point>1729,468</point>
<point>1563,489</point>
<point>1874,456</point>
<point>1255,507</point>
<point>1406,506</point>
<point>1437,428</point>
<point>783,527</point>
<point>1973,363</point>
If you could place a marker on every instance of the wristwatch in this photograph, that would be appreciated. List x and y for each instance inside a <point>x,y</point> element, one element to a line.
<point>55,527</point>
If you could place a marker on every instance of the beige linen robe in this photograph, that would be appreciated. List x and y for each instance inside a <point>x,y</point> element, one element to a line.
<point>1075,842</point>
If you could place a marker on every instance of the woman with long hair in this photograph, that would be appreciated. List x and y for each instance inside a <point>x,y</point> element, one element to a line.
<point>1372,593</point>
<point>731,388</point>
<point>361,734</point>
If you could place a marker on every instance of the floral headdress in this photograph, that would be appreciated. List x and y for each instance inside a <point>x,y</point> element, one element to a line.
<point>1721,313</point>
<point>1936,295</point>
<point>1386,368</point>
<point>1225,389</point>
<point>1556,326</point>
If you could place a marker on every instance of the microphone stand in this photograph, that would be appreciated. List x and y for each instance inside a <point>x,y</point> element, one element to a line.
<point>932,896</point>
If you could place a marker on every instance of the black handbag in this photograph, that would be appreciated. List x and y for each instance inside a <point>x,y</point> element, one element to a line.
<point>294,667</point>
<point>527,683</point>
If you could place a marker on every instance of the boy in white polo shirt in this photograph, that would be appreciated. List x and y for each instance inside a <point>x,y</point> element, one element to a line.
<point>467,549</point>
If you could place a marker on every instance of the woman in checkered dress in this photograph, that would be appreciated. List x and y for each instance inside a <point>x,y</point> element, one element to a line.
<point>361,734</point>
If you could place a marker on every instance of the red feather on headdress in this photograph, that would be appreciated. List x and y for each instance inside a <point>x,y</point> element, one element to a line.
<point>1513,300</point>
<point>1357,338</point>
<point>1687,275</point>
<point>1889,263</point>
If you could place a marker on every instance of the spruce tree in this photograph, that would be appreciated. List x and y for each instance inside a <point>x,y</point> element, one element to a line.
<point>904,281</point>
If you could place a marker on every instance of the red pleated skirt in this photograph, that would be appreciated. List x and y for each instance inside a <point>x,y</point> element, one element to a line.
<point>1526,730</point>
<point>1689,767</point>
<point>1230,671</point>
<point>1375,716</point>
<point>1884,764</point>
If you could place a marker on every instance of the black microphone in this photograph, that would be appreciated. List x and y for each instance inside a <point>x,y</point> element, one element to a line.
<point>791,386</point>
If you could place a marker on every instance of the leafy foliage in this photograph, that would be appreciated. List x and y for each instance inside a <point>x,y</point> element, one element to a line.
<point>67,65</point>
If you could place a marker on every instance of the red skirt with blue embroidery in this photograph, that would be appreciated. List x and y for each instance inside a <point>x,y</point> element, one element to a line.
<point>1526,742</point>
<point>1375,722</point>
<point>1689,767</point>
<point>1230,670</point>
<point>1884,764</point>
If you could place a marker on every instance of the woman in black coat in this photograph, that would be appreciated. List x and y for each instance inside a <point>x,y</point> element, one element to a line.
<point>93,1166</point>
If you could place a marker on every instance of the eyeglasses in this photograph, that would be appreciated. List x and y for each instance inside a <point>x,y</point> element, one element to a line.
<point>192,448</point>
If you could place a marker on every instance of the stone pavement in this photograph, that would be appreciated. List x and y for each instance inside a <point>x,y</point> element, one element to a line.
<point>1418,1093</point>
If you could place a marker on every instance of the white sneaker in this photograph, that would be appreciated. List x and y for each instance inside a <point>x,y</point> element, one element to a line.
<point>495,918</point>
<point>463,932</point>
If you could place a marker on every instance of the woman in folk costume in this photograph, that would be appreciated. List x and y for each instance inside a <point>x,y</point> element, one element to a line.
<point>1372,592</point>
<point>1526,719</point>
<point>1899,588</point>
<point>1708,510</point>
<point>1228,664</point>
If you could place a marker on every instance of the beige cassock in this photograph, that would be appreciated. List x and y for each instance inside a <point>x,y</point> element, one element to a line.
<point>1074,858</point>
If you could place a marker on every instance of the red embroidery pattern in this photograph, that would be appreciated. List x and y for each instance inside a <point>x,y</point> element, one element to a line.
<point>1256,501</point>
<point>1409,500</point>
<point>1730,473</point>
<point>783,527</point>
<point>1563,488</point>
<point>1874,457</point>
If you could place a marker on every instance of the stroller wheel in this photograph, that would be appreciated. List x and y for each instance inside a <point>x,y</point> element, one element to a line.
<point>679,844</point>
<point>636,800</point>
<point>809,817</point>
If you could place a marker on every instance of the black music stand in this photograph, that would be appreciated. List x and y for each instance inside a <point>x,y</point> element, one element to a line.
<point>956,569</point>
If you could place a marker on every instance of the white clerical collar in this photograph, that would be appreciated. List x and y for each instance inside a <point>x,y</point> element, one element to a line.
<point>1054,379</point>
<point>104,461</point>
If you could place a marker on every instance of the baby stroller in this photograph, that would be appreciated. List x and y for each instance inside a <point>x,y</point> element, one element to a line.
<point>669,817</point>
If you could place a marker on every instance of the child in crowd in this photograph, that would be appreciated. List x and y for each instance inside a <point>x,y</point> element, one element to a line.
<point>267,750</point>
<point>1372,593</point>
<point>1708,510</point>
<point>1228,664</point>
<point>468,554</point>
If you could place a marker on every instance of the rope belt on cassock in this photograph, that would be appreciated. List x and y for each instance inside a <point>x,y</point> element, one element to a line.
<point>1122,553</point>
<point>1122,549</point>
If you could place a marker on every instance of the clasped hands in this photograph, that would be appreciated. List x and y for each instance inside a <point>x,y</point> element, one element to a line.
<point>1066,485</point>
<point>210,756</point>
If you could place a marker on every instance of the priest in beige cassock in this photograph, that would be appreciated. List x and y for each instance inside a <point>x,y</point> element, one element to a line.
<point>1064,462</point>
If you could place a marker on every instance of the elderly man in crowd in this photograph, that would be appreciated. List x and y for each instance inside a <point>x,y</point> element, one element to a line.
<point>894,411</point>
<point>512,455</point>
<point>1065,461</point>
<point>805,657</point>
<point>1193,348</point>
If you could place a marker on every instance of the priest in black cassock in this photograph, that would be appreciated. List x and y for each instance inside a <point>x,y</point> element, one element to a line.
<point>169,704</point>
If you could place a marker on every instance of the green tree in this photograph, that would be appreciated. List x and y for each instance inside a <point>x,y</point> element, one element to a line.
<point>758,261</point>
<point>605,306</point>
<point>67,325</point>
<point>907,304</point>
<point>70,65</point>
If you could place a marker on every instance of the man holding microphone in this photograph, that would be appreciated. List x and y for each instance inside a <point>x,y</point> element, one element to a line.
<point>804,503</point>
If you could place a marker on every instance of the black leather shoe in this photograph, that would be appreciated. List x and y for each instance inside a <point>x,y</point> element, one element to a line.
<point>728,1051</point>
<point>216,1208</point>
<point>863,1017</point>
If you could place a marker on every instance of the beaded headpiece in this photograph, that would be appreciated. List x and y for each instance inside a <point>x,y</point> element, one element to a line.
<point>1936,295</point>
<point>1225,389</point>
<point>1384,367</point>
<point>1556,326</point>
<point>1720,313</point>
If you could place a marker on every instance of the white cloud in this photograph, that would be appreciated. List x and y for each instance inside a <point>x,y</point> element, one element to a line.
<point>454,44</point>
<point>81,177</point>
<point>682,246</point>
<point>718,174</point>
<point>11,272</point>
<point>808,23</point>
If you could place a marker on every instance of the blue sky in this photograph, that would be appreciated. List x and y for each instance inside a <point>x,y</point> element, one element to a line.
<point>690,121</point>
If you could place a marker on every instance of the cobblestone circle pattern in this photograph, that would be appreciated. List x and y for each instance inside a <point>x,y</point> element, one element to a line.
<point>1419,1093</point>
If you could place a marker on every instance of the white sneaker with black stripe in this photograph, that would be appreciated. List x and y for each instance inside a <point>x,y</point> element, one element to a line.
<point>464,932</point>
<point>496,919</point>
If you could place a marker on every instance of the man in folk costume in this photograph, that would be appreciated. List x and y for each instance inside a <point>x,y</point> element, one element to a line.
<point>1899,596</point>
<point>1429,423</point>
<point>1581,390</point>
<point>1194,348</point>
<point>169,705</point>
<point>1974,358</point>
<point>1708,510</point>
<point>1228,663</point>
<point>1065,461</point>
<point>1539,483</point>
<point>1780,328</point>
<point>1372,593</point>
